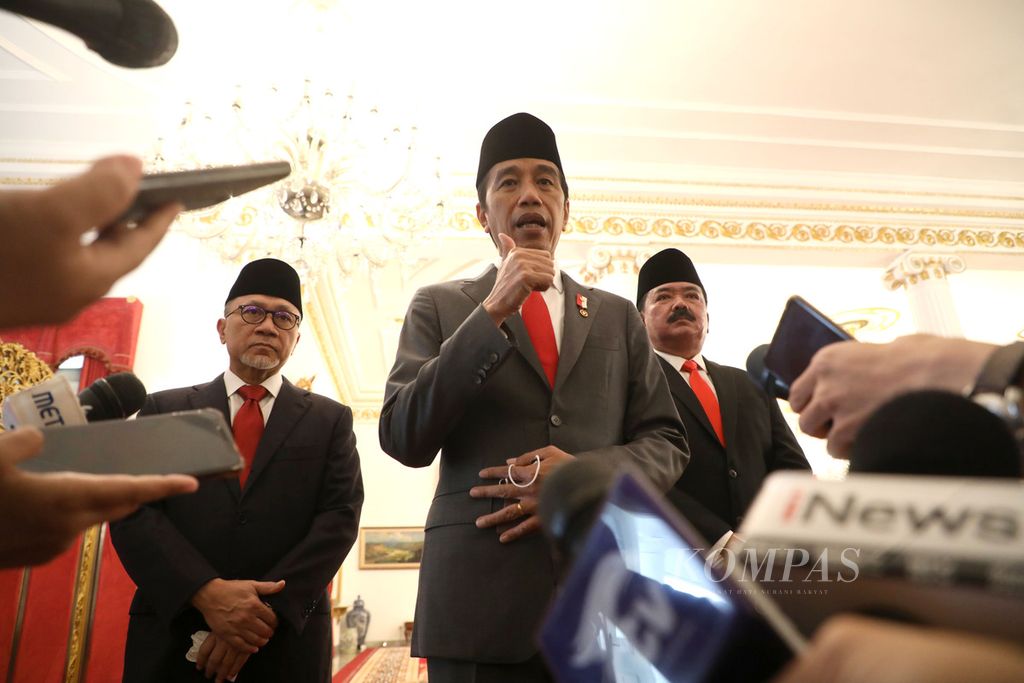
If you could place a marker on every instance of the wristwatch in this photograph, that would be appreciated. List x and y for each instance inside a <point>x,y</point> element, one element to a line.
<point>1000,387</point>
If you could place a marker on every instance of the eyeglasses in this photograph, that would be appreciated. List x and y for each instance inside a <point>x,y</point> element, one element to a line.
<point>254,315</point>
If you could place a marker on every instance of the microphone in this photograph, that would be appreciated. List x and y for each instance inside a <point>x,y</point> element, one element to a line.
<point>935,433</point>
<point>762,376</point>
<point>53,403</point>
<point>128,33</point>
<point>570,501</point>
<point>117,396</point>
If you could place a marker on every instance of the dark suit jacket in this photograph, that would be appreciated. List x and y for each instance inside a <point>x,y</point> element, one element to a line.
<point>719,483</point>
<point>296,520</point>
<point>459,386</point>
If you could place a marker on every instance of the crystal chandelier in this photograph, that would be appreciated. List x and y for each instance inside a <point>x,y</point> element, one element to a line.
<point>362,193</point>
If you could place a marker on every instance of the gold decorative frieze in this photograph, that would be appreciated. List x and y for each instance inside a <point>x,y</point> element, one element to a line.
<point>778,233</point>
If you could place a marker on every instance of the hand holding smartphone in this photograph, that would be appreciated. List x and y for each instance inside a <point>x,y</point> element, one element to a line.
<point>801,332</point>
<point>200,188</point>
<point>196,442</point>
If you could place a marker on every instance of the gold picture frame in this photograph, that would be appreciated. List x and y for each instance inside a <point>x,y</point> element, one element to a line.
<point>390,547</point>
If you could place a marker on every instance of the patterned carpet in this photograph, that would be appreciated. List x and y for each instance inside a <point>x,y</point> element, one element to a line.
<point>384,665</point>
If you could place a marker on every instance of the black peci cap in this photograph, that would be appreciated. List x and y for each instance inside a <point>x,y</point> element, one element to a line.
<point>520,136</point>
<point>269,277</point>
<point>668,265</point>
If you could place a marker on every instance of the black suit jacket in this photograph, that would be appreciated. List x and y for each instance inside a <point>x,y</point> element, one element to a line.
<point>296,520</point>
<point>719,483</point>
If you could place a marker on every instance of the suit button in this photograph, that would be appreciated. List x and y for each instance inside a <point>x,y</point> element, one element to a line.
<point>733,473</point>
<point>555,420</point>
<point>493,357</point>
<point>243,519</point>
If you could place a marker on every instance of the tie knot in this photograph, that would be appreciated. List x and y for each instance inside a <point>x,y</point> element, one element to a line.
<point>252,392</point>
<point>690,365</point>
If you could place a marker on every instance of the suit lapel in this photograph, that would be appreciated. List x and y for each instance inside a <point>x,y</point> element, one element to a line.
<point>289,406</point>
<point>575,327</point>
<point>725,389</point>
<point>477,290</point>
<point>215,395</point>
<point>684,394</point>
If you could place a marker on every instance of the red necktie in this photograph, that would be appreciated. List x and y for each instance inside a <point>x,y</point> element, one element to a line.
<point>706,397</point>
<point>248,426</point>
<point>538,325</point>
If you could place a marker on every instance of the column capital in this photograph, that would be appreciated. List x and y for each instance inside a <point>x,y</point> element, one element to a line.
<point>915,266</point>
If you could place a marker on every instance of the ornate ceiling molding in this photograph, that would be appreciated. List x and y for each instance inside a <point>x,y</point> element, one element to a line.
<point>762,232</point>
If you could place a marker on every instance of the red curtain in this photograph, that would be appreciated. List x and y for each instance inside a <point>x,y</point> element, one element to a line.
<point>106,333</point>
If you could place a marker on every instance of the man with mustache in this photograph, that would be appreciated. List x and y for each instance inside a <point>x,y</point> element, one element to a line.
<point>736,432</point>
<point>511,375</point>
<point>246,560</point>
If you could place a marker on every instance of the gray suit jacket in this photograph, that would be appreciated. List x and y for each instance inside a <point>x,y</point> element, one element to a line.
<point>720,483</point>
<point>459,386</point>
<point>296,520</point>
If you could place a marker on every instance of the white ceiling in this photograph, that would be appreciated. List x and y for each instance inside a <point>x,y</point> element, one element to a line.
<point>883,94</point>
<point>854,129</point>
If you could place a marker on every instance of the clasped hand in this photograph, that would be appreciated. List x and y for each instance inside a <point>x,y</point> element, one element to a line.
<point>236,613</point>
<point>524,510</point>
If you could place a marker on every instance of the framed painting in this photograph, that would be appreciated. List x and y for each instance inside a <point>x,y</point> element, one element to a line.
<point>390,547</point>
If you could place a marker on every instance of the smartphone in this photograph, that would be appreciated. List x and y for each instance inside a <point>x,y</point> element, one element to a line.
<point>196,442</point>
<point>802,330</point>
<point>642,603</point>
<point>202,187</point>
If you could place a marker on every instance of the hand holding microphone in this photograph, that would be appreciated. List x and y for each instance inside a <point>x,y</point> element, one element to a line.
<point>129,33</point>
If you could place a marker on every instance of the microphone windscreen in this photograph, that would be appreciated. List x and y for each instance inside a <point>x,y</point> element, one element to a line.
<point>935,433</point>
<point>762,376</point>
<point>114,397</point>
<point>129,33</point>
<point>571,499</point>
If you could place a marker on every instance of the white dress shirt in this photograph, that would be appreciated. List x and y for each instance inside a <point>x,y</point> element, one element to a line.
<point>677,363</point>
<point>233,383</point>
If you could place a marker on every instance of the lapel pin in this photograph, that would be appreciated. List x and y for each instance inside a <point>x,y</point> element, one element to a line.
<point>581,304</point>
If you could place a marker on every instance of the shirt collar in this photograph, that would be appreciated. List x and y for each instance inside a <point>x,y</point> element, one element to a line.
<point>233,382</point>
<point>677,361</point>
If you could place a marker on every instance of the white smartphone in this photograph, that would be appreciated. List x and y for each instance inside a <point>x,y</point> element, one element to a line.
<point>202,187</point>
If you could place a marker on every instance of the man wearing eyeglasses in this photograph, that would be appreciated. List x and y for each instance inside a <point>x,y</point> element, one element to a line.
<point>235,574</point>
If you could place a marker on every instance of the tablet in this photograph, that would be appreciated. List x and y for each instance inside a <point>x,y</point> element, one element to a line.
<point>196,442</point>
<point>641,604</point>
<point>200,188</point>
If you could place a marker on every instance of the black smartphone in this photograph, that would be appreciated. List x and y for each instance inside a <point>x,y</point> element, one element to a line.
<point>802,330</point>
<point>196,442</point>
<point>202,187</point>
